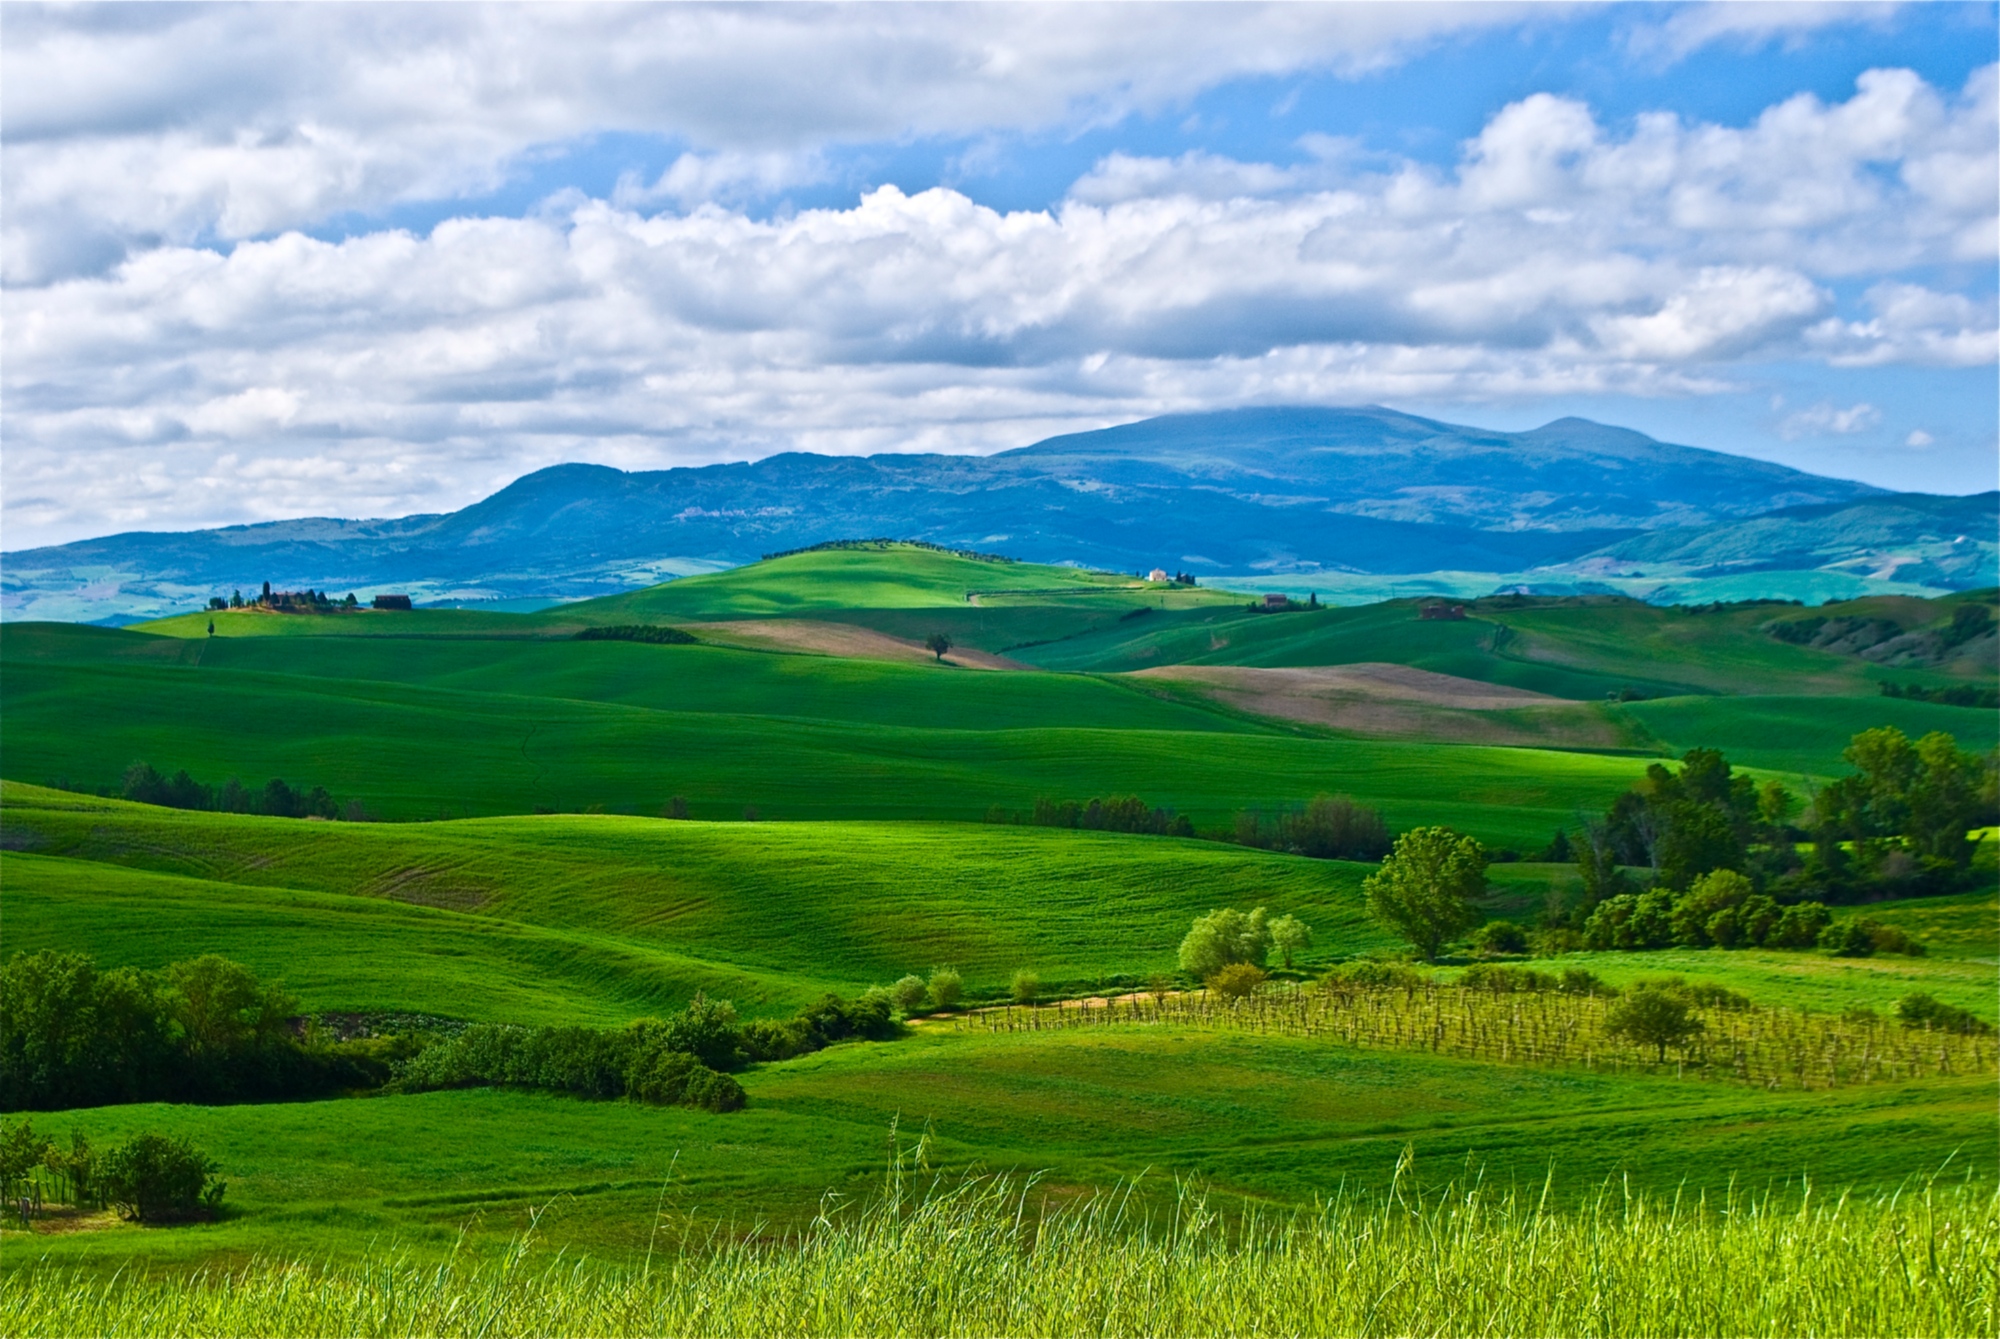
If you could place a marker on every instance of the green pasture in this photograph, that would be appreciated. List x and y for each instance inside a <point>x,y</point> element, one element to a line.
<point>410,751</point>
<point>1794,736</point>
<point>769,914</point>
<point>1259,1120</point>
<point>1580,649</point>
<point>706,679</point>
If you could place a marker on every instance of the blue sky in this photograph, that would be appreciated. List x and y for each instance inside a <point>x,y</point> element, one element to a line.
<point>275,260</point>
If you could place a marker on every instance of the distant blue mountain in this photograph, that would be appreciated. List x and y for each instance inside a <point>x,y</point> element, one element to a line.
<point>1356,490</point>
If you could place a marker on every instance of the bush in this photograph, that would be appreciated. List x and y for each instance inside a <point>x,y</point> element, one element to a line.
<point>909,993</point>
<point>1800,926</point>
<point>1631,921</point>
<point>1506,980</point>
<point>156,1178</point>
<point>1576,981</point>
<point>1500,937</point>
<point>1237,981</point>
<point>1026,987</point>
<point>1848,939</point>
<point>1921,1011</point>
<point>945,987</point>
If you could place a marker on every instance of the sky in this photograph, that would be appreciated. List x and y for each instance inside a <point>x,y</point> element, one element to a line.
<point>269,261</point>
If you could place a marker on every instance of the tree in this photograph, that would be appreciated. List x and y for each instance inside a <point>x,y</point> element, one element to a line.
<point>1713,893</point>
<point>158,1177</point>
<point>1290,935</point>
<point>1222,937</point>
<point>1425,888</point>
<point>1027,987</point>
<point>224,1008</point>
<point>1655,1016</point>
<point>909,993</point>
<point>938,644</point>
<point>945,987</point>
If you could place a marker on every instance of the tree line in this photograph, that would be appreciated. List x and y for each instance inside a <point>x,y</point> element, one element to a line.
<point>274,799</point>
<point>208,1030</point>
<point>651,633</point>
<point>681,1060</point>
<point>203,1030</point>
<point>1897,826</point>
<point>1326,827</point>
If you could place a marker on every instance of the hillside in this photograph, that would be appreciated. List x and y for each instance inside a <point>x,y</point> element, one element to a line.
<point>1349,490</point>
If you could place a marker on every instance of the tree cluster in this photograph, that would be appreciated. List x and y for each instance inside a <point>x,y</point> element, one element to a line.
<point>150,1178</point>
<point>204,1030</point>
<point>1326,827</point>
<point>275,799</point>
<point>682,1060</point>
<point>650,633</point>
<point>1228,938</point>
<point>1958,695</point>
<point>1119,813</point>
<point>1896,827</point>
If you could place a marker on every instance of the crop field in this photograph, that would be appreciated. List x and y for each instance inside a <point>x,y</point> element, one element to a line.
<point>851,812</point>
<point>419,752</point>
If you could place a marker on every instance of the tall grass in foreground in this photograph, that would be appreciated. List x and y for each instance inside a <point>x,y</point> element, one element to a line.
<point>988,1258</point>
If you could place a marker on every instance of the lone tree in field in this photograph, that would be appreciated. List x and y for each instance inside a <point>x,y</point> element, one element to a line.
<point>1224,937</point>
<point>1290,935</point>
<point>938,644</point>
<point>1425,888</point>
<point>1654,1016</point>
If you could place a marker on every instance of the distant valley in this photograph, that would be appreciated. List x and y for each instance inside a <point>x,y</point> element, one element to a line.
<point>1356,504</point>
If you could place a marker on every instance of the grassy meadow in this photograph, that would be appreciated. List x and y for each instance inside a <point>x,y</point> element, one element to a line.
<point>522,872</point>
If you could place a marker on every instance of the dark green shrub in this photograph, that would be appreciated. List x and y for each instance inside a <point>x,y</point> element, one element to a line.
<point>1921,1011</point>
<point>158,1178</point>
<point>714,1092</point>
<point>1506,980</point>
<point>1799,926</point>
<point>770,1039</point>
<point>1848,939</point>
<point>1500,937</point>
<point>1576,981</point>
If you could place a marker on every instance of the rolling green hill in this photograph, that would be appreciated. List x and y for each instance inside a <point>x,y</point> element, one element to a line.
<point>633,914</point>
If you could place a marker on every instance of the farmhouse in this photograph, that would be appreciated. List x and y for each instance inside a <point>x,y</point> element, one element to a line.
<point>1442,611</point>
<point>392,602</point>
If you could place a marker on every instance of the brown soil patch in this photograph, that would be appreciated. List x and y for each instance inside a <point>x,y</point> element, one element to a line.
<point>60,1220</point>
<point>839,639</point>
<point>1396,702</point>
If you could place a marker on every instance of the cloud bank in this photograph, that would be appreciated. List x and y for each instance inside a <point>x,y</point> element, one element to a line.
<point>190,356</point>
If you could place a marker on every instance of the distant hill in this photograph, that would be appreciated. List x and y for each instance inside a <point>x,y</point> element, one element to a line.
<point>1919,538</point>
<point>1265,490</point>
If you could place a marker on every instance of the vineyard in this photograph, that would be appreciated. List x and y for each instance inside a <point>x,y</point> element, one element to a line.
<point>1735,1041</point>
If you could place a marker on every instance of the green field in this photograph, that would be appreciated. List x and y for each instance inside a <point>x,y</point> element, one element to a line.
<point>525,875</point>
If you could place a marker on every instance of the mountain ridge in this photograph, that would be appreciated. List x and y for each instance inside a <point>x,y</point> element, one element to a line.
<point>1366,490</point>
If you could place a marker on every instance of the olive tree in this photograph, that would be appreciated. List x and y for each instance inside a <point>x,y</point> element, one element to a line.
<point>1425,887</point>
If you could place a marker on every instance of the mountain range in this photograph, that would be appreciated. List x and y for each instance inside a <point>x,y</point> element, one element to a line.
<point>1254,493</point>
